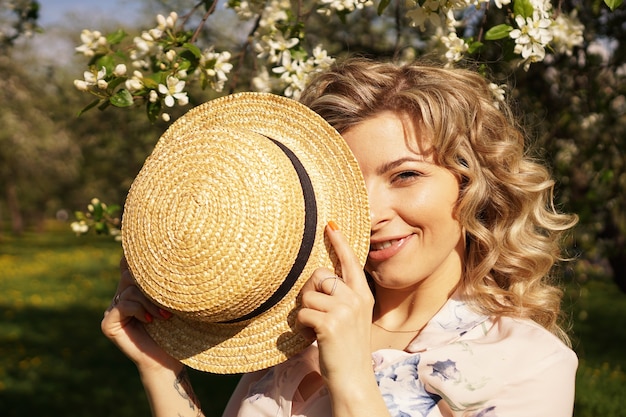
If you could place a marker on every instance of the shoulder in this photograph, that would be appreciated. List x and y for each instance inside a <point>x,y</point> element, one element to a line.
<point>508,346</point>
<point>509,364</point>
<point>517,347</point>
<point>528,341</point>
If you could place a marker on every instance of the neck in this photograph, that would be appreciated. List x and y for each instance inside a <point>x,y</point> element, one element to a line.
<point>411,308</point>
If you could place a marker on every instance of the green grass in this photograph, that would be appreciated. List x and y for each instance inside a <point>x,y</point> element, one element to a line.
<point>598,311</point>
<point>55,362</point>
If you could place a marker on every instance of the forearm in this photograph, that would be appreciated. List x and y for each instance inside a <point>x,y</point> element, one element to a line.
<point>170,393</point>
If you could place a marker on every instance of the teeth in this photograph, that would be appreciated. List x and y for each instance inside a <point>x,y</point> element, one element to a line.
<point>383,245</point>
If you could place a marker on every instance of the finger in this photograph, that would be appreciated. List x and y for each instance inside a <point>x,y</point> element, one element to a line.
<point>136,310</point>
<point>318,275</point>
<point>306,332</point>
<point>134,296</point>
<point>328,285</point>
<point>126,276</point>
<point>318,301</point>
<point>351,267</point>
<point>309,318</point>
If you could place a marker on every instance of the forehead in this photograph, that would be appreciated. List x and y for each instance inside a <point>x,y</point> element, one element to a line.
<point>388,136</point>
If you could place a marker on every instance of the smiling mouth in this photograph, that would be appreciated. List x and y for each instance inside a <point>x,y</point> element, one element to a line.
<point>384,245</point>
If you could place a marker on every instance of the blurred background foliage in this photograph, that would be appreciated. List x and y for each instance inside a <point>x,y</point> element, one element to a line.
<point>53,162</point>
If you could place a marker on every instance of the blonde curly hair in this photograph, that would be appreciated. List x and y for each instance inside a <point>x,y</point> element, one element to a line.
<point>506,199</point>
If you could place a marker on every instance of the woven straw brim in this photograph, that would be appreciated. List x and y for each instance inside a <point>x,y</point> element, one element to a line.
<point>210,243</point>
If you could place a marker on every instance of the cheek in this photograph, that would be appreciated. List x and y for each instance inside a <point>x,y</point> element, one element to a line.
<point>435,208</point>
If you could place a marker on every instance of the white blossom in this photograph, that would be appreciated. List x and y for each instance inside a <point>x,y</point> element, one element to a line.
<point>92,41</point>
<point>170,55</point>
<point>567,33</point>
<point>216,65</point>
<point>120,70</point>
<point>173,92</point>
<point>169,22</point>
<point>295,73</point>
<point>79,227</point>
<point>455,47</point>
<point>277,46</point>
<point>428,12</point>
<point>81,85</point>
<point>91,79</point>
<point>542,7</point>
<point>135,83</point>
<point>273,13</point>
<point>531,37</point>
<point>263,82</point>
<point>500,3</point>
<point>329,6</point>
<point>321,58</point>
<point>498,92</point>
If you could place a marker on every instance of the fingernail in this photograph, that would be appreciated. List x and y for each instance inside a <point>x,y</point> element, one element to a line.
<point>333,226</point>
<point>148,317</point>
<point>165,314</point>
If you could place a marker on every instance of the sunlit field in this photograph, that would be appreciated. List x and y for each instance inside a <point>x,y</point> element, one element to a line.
<point>55,362</point>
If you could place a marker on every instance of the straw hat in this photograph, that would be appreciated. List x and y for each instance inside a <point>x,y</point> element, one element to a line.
<point>225,223</point>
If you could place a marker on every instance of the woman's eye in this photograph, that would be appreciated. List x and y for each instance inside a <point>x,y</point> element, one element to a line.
<point>407,175</point>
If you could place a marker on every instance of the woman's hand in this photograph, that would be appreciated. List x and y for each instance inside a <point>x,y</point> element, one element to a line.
<point>124,322</point>
<point>339,313</point>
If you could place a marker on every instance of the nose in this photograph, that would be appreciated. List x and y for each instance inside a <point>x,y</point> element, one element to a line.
<point>380,206</point>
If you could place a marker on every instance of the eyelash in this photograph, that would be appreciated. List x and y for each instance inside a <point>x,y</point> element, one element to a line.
<point>406,176</point>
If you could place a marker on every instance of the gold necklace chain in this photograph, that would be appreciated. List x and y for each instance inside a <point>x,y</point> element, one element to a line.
<point>400,331</point>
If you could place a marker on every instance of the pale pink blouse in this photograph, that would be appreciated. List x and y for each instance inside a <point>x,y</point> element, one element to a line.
<point>462,364</point>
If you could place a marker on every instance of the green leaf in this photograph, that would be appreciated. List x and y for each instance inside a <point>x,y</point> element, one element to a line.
<point>498,32</point>
<point>104,104</point>
<point>613,4</point>
<point>107,62</point>
<point>122,98</point>
<point>382,6</point>
<point>193,49</point>
<point>153,110</point>
<point>152,82</point>
<point>116,37</point>
<point>189,61</point>
<point>112,209</point>
<point>523,8</point>
<point>97,211</point>
<point>101,228</point>
<point>116,81</point>
<point>89,107</point>
<point>474,46</point>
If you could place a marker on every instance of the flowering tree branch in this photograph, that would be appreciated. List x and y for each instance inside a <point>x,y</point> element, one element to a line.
<point>157,68</point>
<point>166,60</point>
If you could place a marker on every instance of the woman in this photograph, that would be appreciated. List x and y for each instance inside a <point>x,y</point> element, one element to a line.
<point>455,314</point>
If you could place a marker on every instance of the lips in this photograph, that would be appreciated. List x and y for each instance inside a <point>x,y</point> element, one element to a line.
<point>385,249</point>
<point>384,245</point>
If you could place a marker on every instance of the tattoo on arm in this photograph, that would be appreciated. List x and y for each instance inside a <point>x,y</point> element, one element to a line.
<point>182,384</point>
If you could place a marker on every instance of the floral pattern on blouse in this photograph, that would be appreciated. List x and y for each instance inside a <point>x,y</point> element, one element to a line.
<point>402,390</point>
<point>462,364</point>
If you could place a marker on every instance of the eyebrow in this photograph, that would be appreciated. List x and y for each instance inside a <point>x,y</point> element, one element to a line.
<point>388,166</point>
